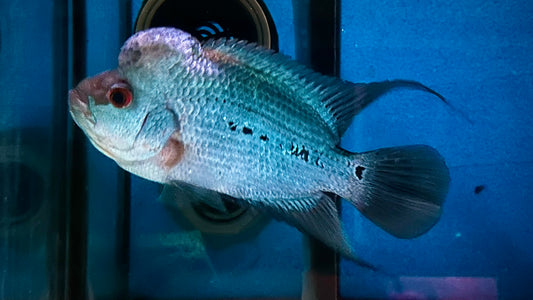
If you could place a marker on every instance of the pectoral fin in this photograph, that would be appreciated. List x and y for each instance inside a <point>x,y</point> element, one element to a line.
<point>186,192</point>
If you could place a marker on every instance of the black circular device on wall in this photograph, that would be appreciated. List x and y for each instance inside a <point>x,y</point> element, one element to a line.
<point>211,19</point>
<point>242,19</point>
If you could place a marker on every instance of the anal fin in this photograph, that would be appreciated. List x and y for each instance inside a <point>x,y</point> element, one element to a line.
<point>317,216</point>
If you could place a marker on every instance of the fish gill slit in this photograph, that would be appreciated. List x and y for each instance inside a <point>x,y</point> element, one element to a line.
<point>142,126</point>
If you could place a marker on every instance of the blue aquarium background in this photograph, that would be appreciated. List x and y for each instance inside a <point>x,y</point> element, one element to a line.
<point>72,223</point>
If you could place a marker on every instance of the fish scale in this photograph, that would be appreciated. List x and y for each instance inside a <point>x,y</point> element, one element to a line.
<point>271,113</point>
<point>274,103</point>
<point>231,117</point>
<point>229,154</point>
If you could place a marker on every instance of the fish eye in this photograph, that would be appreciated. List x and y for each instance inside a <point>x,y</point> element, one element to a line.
<point>120,95</point>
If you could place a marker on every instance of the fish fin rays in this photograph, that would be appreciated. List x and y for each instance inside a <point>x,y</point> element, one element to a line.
<point>346,101</point>
<point>317,216</point>
<point>400,189</point>
<point>336,101</point>
<point>308,86</point>
<point>180,191</point>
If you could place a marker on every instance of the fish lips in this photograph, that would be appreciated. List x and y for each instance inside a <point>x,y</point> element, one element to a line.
<point>79,107</point>
<point>80,110</point>
<point>83,117</point>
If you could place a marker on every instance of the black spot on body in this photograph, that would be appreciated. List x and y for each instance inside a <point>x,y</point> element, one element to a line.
<point>264,138</point>
<point>232,126</point>
<point>479,189</point>
<point>304,154</point>
<point>247,130</point>
<point>299,152</point>
<point>294,150</point>
<point>359,172</point>
<point>318,163</point>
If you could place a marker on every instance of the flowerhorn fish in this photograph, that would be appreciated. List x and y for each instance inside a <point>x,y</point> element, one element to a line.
<point>234,118</point>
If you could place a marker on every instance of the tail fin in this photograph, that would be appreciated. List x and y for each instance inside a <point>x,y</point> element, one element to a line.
<point>400,189</point>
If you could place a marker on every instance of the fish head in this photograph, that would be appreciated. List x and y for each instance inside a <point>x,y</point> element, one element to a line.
<point>122,120</point>
<point>129,114</point>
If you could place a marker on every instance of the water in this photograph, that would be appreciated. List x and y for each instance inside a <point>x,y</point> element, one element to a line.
<point>475,53</point>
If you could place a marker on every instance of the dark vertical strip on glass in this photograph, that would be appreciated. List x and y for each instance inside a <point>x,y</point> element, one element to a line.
<point>122,254</point>
<point>122,231</point>
<point>76,284</point>
<point>325,33</point>
<point>317,34</point>
<point>57,230</point>
<point>302,28</point>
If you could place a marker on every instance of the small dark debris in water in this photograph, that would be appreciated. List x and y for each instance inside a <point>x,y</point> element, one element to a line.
<point>247,130</point>
<point>264,138</point>
<point>359,172</point>
<point>479,189</point>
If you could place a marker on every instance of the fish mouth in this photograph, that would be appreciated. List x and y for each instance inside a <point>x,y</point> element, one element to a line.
<point>79,106</point>
<point>78,100</point>
<point>80,109</point>
<point>83,117</point>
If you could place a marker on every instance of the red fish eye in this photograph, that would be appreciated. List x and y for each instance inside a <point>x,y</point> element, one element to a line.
<point>119,95</point>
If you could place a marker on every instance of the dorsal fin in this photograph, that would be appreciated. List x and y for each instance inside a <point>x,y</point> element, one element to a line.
<point>312,87</point>
<point>344,106</point>
<point>335,100</point>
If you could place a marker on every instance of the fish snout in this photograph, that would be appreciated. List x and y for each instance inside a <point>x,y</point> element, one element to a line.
<point>78,102</point>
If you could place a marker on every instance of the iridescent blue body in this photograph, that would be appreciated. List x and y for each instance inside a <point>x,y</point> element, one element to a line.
<point>234,118</point>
